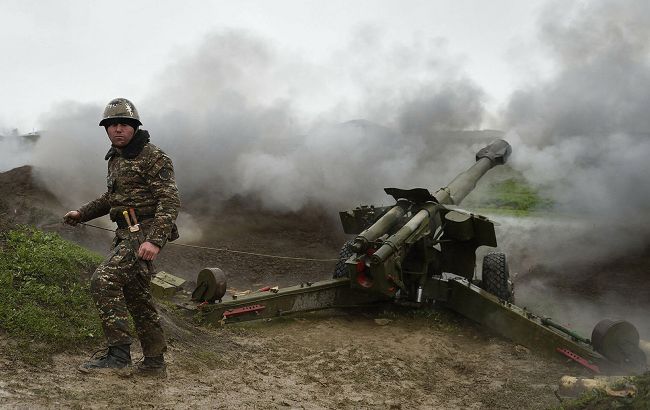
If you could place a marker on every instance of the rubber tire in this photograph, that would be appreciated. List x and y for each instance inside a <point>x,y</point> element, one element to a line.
<point>341,269</point>
<point>496,276</point>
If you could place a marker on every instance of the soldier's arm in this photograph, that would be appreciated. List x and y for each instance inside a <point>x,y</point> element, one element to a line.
<point>95,209</point>
<point>163,187</point>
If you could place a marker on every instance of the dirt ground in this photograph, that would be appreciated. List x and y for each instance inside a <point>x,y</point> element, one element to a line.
<point>376,358</point>
<point>330,360</point>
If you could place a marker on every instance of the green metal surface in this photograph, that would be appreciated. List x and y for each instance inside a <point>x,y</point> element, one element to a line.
<point>423,234</point>
<point>454,293</point>
<point>507,319</point>
<point>547,321</point>
<point>300,298</point>
<point>162,289</point>
<point>169,278</point>
<point>165,285</point>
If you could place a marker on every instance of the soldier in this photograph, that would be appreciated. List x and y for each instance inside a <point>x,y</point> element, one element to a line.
<point>140,176</point>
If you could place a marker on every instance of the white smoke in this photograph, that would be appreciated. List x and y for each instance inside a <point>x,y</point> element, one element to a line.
<point>15,149</point>
<point>242,118</point>
<point>69,157</point>
<point>583,136</point>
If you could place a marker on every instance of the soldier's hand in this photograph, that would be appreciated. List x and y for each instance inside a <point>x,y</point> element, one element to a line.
<point>148,251</point>
<point>72,218</point>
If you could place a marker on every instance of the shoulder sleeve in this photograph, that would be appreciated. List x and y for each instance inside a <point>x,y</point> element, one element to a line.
<point>95,209</point>
<point>162,183</point>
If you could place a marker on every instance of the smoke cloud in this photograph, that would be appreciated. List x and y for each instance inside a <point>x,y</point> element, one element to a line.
<point>68,158</point>
<point>583,136</point>
<point>15,149</point>
<point>240,117</point>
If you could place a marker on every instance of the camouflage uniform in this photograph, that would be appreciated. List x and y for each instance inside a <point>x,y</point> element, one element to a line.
<point>140,176</point>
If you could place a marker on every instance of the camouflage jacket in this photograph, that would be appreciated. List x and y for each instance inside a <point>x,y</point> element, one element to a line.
<point>140,176</point>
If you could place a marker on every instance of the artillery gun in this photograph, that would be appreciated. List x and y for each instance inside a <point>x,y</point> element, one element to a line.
<point>421,251</point>
<point>398,250</point>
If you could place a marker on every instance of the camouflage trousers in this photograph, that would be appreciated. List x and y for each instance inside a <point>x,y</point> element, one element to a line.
<point>122,285</point>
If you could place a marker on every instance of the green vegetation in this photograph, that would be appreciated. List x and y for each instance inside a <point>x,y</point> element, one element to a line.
<point>513,196</point>
<point>44,302</point>
<point>598,399</point>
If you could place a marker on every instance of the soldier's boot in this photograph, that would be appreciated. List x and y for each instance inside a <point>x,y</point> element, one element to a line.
<point>117,357</point>
<point>153,366</point>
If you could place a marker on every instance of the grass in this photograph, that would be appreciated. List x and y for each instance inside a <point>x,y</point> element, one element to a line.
<point>44,303</point>
<point>510,196</point>
<point>597,399</point>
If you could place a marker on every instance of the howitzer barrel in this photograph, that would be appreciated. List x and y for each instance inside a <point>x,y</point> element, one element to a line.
<point>380,227</point>
<point>494,154</point>
<point>392,244</point>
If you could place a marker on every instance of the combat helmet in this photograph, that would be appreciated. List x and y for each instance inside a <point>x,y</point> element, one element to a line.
<point>121,108</point>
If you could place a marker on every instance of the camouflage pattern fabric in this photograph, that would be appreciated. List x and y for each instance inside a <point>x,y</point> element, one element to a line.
<point>140,177</point>
<point>121,285</point>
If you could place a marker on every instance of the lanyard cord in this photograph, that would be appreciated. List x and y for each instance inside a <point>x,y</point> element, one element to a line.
<point>264,255</point>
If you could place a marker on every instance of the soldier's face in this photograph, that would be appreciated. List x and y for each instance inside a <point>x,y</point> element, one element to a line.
<point>120,134</point>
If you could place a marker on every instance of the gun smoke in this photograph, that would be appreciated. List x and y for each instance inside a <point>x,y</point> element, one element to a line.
<point>238,121</point>
<point>242,118</point>
<point>15,149</point>
<point>583,136</point>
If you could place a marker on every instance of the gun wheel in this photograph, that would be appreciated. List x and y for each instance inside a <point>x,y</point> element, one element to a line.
<point>618,341</point>
<point>496,276</point>
<point>210,285</point>
<point>341,269</point>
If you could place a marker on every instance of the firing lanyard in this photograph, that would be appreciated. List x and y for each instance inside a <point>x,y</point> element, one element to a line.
<point>263,255</point>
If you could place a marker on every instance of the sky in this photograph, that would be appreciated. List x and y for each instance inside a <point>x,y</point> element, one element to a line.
<point>93,51</point>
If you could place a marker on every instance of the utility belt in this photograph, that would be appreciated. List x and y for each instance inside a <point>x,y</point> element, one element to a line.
<point>131,220</point>
<point>121,223</point>
<point>143,214</point>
